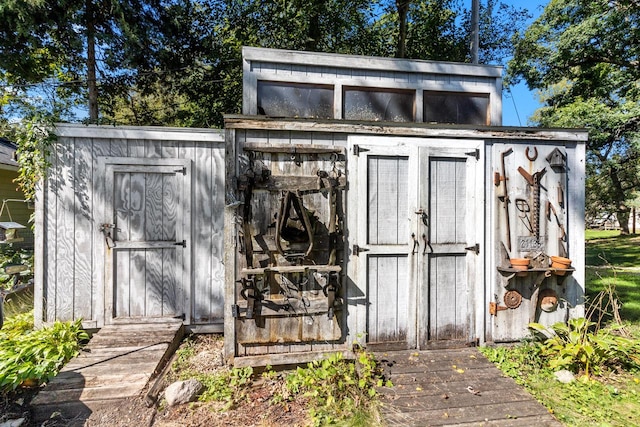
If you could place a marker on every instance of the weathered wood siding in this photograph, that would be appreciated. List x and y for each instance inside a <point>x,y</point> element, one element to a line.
<point>414,280</point>
<point>71,204</point>
<point>349,71</point>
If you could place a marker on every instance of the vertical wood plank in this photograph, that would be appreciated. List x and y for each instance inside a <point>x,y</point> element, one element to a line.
<point>84,295</point>
<point>203,218</point>
<point>216,290</point>
<point>65,226</point>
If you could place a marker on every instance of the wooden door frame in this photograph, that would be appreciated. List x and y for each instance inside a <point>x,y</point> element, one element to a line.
<point>356,266</point>
<point>107,167</point>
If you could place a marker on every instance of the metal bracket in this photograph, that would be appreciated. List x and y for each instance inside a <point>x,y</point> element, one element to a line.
<point>475,153</point>
<point>235,311</point>
<point>357,150</point>
<point>183,243</point>
<point>182,170</point>
<point>357,249</point>
<point>475,248</point>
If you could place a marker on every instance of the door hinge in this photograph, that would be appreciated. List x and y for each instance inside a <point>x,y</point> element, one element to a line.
<point>358,149</point>
<point>182,170</point>
<point>475,248</point>
<point>475,153</point>
<point>235,311</point>
<point>183,243</point>
<point>357,249</point>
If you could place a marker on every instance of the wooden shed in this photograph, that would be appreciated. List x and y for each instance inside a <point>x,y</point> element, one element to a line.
<point>129,227</point>
<point>377,201</point>
<point>356,200</point>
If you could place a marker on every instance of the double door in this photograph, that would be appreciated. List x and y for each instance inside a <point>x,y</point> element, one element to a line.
<point>419,223</point>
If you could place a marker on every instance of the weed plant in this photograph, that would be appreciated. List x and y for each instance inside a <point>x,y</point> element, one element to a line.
<point>27,354</point>
<point>338,390</point>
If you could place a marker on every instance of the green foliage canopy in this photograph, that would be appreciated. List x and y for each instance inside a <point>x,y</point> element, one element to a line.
<point>583,56</point>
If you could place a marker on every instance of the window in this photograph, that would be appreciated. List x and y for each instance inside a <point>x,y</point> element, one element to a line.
<point>458,108</point>
<point>378,104</point>
<point>295,100</point>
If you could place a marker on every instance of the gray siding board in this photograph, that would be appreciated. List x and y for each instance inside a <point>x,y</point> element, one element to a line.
<point>71,206</point>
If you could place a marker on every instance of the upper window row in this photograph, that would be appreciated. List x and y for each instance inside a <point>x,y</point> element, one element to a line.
<point>394,105</point>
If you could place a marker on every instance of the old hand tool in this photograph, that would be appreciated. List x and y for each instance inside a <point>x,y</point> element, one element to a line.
<point>534,181</point>
<point>505,194</point>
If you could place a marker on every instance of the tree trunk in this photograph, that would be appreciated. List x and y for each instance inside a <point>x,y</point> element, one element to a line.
<point>92,85</point>
<point>403,10</point>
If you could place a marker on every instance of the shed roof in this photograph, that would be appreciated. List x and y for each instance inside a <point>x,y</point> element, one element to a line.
<point>369,62</point>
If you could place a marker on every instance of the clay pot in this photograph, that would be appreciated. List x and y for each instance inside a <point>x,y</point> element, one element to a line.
<point>548,300</point>
<point>521,264</point>
<point>560,263</point>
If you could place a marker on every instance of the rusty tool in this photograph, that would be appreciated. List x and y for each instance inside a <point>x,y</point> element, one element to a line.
<point>534,181</point>
<point>497,179</point>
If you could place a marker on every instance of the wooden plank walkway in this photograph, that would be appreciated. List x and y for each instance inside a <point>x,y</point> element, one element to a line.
<point>116,364</point>
<point>430,389</point>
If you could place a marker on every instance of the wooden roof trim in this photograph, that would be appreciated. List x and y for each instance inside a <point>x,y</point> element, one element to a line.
<point>74,130</point>
<point>404,129</point>
<point>333,60</point>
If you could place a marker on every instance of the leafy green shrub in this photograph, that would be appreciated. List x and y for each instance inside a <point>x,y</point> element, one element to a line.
<point>226,386</point>
<point>574,346</point>
<point>338,389</point>
<point>29,354</point>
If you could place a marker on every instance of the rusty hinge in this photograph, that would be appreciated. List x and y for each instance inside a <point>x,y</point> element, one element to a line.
<point>475,153</point>
<point>475,248</point>
<point>357,249</point>
<point>358,149</point>
<point>494,308</point>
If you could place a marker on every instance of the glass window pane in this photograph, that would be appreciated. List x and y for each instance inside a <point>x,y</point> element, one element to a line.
<point>378,105</point>
<point>458,108</point>
<point>295,100</point>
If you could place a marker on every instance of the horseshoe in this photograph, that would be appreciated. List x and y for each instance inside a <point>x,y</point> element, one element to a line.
<point>535,153</point>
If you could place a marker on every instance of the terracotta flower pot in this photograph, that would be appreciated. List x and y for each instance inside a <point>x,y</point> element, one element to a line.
<point>521,264</point>
<point>560,263</point>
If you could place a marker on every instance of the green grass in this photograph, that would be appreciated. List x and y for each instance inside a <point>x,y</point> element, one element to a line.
<point>619,251</point>
<point>610,401</point>
<point>600,234</point>
<point>612,260</point>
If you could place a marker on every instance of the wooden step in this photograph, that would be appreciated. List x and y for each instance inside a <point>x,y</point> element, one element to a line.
<point>116,364</point>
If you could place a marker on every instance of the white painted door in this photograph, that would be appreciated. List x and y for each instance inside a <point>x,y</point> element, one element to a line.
<point>446,225</point>
<point>417,216</point>
<point>147,239</point>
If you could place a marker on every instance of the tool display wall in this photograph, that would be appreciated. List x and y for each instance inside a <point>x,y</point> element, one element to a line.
<point>532,250</point>
<point>289,229</point>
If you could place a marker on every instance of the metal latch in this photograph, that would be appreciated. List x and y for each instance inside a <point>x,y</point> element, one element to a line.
<point>357,249</point>
<point>475,248</point>
<point>183,243</point>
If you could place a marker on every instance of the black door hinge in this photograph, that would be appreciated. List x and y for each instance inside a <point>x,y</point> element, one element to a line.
<point>357,249</point>
<point>358,149</point>
<point>475,248</point>
<point>475,153</point>
<point>235,310</point>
